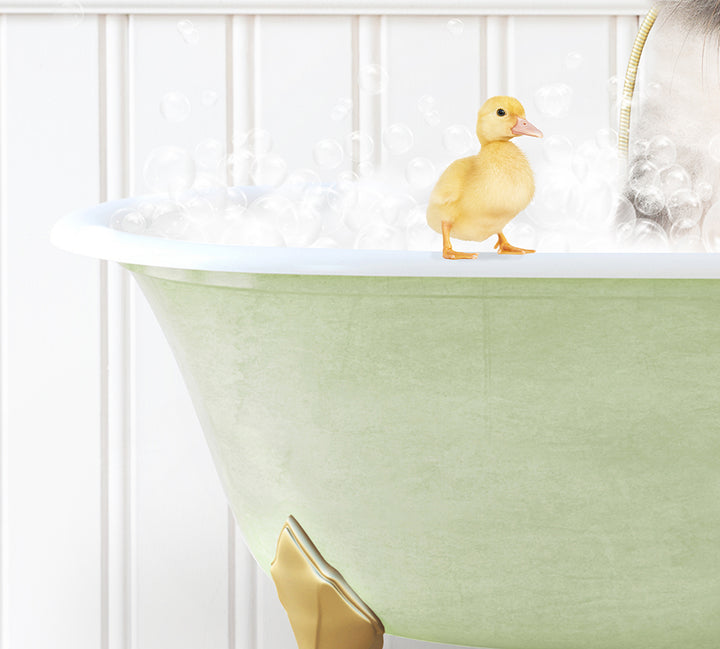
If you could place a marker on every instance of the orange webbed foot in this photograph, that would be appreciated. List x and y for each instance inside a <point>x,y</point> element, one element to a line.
<point>504,248</point>
<point>449,253</point>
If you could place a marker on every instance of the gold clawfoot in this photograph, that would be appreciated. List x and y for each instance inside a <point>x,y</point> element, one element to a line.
<point>324,612</point>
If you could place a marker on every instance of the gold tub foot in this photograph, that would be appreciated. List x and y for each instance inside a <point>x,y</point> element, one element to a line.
<point>324,612</point>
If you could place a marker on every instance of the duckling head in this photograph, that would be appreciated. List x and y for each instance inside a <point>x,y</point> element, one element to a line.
<point>502,118</point>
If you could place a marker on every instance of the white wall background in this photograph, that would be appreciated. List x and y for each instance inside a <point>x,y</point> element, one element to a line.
<point>114,529</point>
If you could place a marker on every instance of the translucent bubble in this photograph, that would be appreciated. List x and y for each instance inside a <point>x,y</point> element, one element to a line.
<point>379,236</point>
<point>170,222</point>
<point>236,199</point>
<point>359,146</point>
<point>640,149</point>
<point>648,236</point>
<point>148,209</point>
<point>704,190</point>
<point>129,220</point>
<point>624,212</point>
<point>210,186</point>
<point>686,236</point>
<point>328,154</point>
<point>557,149</point>
<point>259,141</point>
<point>373,79</point>
<point>341,109</point>
<point>557,199</point>
<point>347,181</point>
<point>253,231</point>
<point>366,169</point>
<point>175,107</point>
<point>643,174</point>
<point>455,26</point>
<point>210,154</point>
<point>596,211</point>
<point>457,139</point>
<point>426,103</point>
<point>432,117</point>
<point>398,139</point>
<point>650,201</point>
<point>239,166</point>
<point>189,32</point>
<point>661,151</point>
<point>268,170</point>
<point>198,209</point>
<point>613,88</point>
<point>554,100</point>
<point>208,98</point>
<point>169,169</point>
<point>684,205</point>
<point>673,178</point>
<point>420,173</point>
<point>296,185</point>
<point>393,209</point>
<point>574,60</point>
<point>70,14</point>
<point>606,138</point>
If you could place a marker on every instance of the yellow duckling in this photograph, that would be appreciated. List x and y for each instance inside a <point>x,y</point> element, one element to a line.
<point>477,196</point>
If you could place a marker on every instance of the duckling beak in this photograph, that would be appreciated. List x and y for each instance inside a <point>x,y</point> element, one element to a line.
<point>523,127</point>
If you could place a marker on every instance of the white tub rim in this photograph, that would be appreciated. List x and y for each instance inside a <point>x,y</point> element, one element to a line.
<point>87,232</point>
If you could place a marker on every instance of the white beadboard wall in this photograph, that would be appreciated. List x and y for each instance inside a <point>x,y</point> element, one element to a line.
<point>114,530</point>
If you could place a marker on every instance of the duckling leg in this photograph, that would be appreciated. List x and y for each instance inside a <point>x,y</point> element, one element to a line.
<point>504,248</point>
<point>448,252</point>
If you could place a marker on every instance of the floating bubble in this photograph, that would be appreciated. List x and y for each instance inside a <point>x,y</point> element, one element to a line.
<point>661,151</point>
<point>432,117</point>
<point>70,14</point>
<point>175,107</point>
<point>210,154</point>
<point>208,98</point>
<point>189,32</point>
<point>673,178</point>
<point>169,169</point>
<point>554,100</point>
<point>398,139</point>
<point>328,154</point>
<point>711,229</point>
<point>557,149</point>
<point>359,146</point>
<point>648,236</point>
<point>704,190</point>
<point>298,183</point>
<point>148,209</point>
<point>341,109</point>
<point>457,139</point>
<point>686,236</point>
<point>643,174</point>
<point>129,220</point>
<point>624,211</point>
<point>393,209</point>
<point>420,173</point>
<point>259,141</point>
<point>640,149</point>
<point>684,205</point>
<point>170,222</point>
<point>237,200</point>
<point>373,79</point>
<point>426,103</point>
<point>198,210</point>
<point>574,60</point>
<point>239,165</point>
<point>268,170</point>
<point>455,26</point>
<point>650,201</point>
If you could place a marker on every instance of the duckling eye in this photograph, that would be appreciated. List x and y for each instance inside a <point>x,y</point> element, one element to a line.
<point>501,112</point>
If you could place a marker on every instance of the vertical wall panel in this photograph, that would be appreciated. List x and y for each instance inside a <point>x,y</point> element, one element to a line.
<point>304,69</point>
<point>52,358</point>
<point>180,516</point>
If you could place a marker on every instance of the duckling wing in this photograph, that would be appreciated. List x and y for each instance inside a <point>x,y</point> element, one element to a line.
<point>445,199</point>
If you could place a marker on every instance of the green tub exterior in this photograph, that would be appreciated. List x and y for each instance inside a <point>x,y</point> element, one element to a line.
<point>493,462</point>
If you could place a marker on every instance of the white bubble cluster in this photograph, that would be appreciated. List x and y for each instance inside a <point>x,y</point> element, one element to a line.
<point>554,100</point>
<point>175,107</point>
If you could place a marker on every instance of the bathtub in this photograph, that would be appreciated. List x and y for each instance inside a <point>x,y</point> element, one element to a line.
<point>509,452</point>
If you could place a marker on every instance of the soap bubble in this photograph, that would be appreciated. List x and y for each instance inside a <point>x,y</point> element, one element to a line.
<point>210,154</point>
<point>432,117</point>
<point>640,148</point>
<point>328,154</point>
<point>554,100</point>
<point>268,170</point>
<point>596,211</point>
<point>684,205</point>
<point>686,236</point>
<point>614,88</point>
<point>650,201</point>
<point>557,149</point>
<point>169,169</point>
<point>379,236</point>
<point>606,138</point>
<point>393,209</point>
<point>648,236</point>
<point>359,146</point>
<point>426,103</point>
<point>250,230</point>
<point>398,139</point>
<point>170,222</point>
<point>704,190</point>
<point>420,173</point>
<point>148,209</point>
<point>175,107</point>
<point>573,60</point>
<point>661,151</point>
<point>189,32</point>
<point>208,98</point>
<point>457,139</point>
<point>239,165</point>
<point>300,184</point>
<point>643,174</point>
<point>341,109</point>
<point>673,178</point>
<point>365,169</point>
<point>455,26</point>
<point>237,200</point>
<point>70,13</point>
<point>198,209</point>
<point>259,141</point>
<point>129,220</point>
<point>373,79</point>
